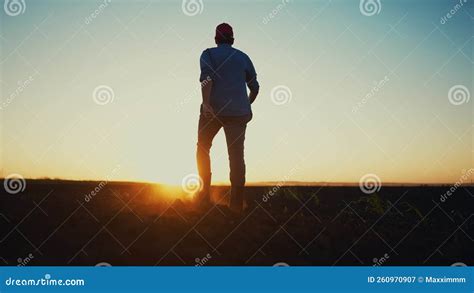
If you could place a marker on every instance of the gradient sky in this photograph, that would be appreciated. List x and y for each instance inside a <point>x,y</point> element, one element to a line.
<point>327,53</point>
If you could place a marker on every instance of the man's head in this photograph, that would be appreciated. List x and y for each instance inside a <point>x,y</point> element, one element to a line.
<point>224,34</point>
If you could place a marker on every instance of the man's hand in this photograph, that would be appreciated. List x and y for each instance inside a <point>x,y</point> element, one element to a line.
<point>207,110</point>
<point>252,96</point>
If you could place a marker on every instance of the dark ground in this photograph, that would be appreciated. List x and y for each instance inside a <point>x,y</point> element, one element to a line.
<point>50,223</point>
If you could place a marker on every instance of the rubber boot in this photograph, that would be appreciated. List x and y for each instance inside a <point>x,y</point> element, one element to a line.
<point>250,203</point>
<point>237,198</point>
<point>204,196</point>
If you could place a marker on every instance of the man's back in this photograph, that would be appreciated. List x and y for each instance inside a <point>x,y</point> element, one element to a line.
<point>230,70</point>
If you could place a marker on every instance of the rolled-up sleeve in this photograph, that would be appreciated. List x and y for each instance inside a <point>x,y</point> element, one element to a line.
<point>206,69</point>
<point>251,76</point>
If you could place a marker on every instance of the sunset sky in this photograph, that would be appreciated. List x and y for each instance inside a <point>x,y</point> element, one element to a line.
<point>364,93</point>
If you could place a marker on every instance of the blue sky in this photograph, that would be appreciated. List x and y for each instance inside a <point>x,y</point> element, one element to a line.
<point>362,93</point>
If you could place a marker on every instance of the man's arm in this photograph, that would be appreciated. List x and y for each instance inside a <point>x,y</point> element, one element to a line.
<point>252,96</point>
<point>252,83</point>
<point>206,83</point>
<point>206,87</point>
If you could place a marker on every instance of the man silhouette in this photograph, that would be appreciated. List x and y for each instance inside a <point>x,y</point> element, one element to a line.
<point>225,73</point>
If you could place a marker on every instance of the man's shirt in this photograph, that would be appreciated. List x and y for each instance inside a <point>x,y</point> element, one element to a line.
<point>230,70</point>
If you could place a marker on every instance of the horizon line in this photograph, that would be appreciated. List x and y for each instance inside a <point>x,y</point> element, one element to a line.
<point>261,183</point>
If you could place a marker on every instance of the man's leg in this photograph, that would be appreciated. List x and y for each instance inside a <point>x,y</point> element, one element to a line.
<point>207,130</point>
<point>234,128</point>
